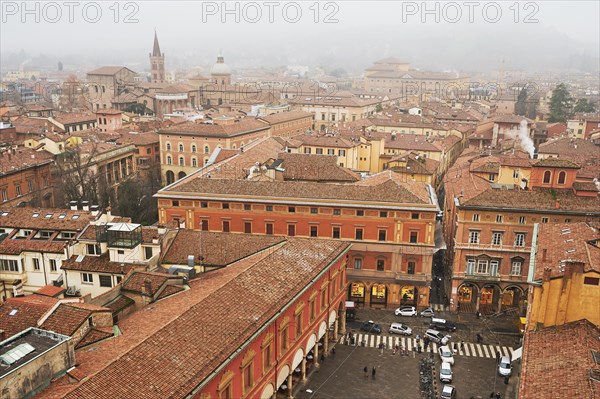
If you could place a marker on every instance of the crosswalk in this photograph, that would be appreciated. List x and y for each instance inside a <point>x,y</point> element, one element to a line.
<point>409,343</point>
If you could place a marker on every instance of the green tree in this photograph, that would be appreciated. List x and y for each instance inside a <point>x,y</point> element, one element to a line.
<point>583,105</point>
<point>378,108</point>
<point>560,104</point>
<point>521,104</point>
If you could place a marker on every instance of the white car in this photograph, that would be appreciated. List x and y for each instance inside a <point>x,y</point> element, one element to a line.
<point>448,392</point>
<point>446,354</point>
<point>445,372</point>
<point>406,311</point>
<point>427,313</point>
<point>504,367</point>
<point>437,337</point>
<point>399,328</point>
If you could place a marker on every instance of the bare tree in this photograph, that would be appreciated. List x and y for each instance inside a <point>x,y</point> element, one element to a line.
<point>76,177</point>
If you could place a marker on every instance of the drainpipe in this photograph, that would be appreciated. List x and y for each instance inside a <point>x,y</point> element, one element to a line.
<point>534,241</point>
<point>44,269</point>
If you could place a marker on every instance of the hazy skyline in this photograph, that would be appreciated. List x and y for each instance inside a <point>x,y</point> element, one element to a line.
<point>565,36</point>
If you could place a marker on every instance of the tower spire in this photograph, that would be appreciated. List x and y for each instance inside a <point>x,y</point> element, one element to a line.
<point>156,49</point>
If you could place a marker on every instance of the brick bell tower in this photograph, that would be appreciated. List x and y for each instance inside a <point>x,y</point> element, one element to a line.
<point>157,63</point>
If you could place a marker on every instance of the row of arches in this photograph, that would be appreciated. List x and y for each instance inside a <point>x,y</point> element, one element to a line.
<point>170,176</point>
<point>490,297</point>
<point>378,294</point>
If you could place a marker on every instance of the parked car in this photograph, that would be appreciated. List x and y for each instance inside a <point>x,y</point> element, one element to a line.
<point>437,337</point>
<point>370,326</point>
<point>445,372</point>
<point>446,355</point>
<point>427,313</point>
<point>399,328</point>
<point>448,392</point>
<point>504,366</point>
<point>442,325</point>
<point>406,311</point>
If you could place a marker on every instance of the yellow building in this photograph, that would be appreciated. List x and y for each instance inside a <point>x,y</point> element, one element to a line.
<point>566,275</point>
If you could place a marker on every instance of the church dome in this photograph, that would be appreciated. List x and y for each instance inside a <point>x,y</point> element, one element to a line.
<point>220,67</point>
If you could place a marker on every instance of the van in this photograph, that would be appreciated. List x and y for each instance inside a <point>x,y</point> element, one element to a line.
<point>442,324</point>
<point>504,367</point>
<point>437,337</point>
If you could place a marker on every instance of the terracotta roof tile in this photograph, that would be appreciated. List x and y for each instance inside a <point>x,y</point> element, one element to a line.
<point>93,335</point>
<point>308,167</point>
<point>555,163</point>
<point>538,199</point>
<point>100,264</point>
<point>557,362</point>
<point>24,158</point>
<point>46,219</point>
<point>119,303</point>
<point>50,290</point>
<point>145,283</point>
<point>150,335</point>
<point>286,116</point>
<point>391,188</point>
<point>214,249</point>
<point>65,319</point>
<point>199,128</point>
<point>169,290</point>
<point>17,314</point>
<point>566,242</point>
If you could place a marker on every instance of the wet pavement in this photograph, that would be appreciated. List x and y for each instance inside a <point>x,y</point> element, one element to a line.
<point>475,371</point>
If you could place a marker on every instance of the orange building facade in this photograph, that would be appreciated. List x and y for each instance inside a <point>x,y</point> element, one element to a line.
<point>393,240</point>
<point>26,178</point>
<point>280,356</point>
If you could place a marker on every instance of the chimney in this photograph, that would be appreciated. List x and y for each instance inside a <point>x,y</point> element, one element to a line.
<point>95,209</point>
<point>547,274</point>
<point>495,135</point>
<point>85,205</point>
<point>73,205</point>
<point>147,286</point>
<point>191,260</point>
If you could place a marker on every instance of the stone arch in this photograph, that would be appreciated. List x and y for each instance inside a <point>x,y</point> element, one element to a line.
<point>332,317</point>
<point>513,296</point>
<point>357,292</point>
<point>312,340</point>
<point>267,392</point>
<point>181,175</point>
<point>468,292</point>
<point>283,375</point>
<point>378,294</point>
<point>322,329</point>
<point>298,357</point>
<point>170,176</point>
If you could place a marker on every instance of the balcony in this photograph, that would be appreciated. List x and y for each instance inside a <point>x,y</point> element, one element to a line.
<point>387,275</point>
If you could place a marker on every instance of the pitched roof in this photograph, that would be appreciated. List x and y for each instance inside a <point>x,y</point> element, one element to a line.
<point>67,318</point>
<point>316,140</point>
<point>108,70</point>
<point>68,118</point>
<point>18,246</point>
<point>101,264</point>
<point>557,362</point>
<point>566,242</point>
<point>46,219</point>
<point>230,297</point>
<point>540,200</point>
<point>555,163</point>
<point>145,283</point>
<point>281,117</point>
<point>23,158</point>
<point>156,48</point>
<point>214,249</point>
<point>314,168</point>
<point>199,128</point>
<point>50,290</point>
<point>391,189</point>
<point>17,314</point>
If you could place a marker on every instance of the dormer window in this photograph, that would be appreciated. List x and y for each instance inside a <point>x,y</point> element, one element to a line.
<point>62,216</point>
<point>48,215</point>
<point>74,217</point>
<point>35,215</point>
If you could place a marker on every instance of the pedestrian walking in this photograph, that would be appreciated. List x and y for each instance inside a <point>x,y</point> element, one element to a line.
<point>498,395</point>
<point>366,370</point>
<point>492,395</point>
<point>506,380</point>
<point>497,356</point>
<point>462,346</point>
<point>418,338</point>
<point>373,372</point>
<point>333,351</point>
<point>419,348</point>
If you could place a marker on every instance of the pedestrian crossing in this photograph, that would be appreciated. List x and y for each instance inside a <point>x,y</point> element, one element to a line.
<point>410,344</point>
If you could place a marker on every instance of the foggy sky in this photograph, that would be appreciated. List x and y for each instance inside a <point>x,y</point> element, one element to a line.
<point>566,35</point>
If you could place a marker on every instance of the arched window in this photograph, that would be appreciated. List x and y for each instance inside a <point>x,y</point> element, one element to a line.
<point>205,161</point>
<point>562,176</point>
<point>170,177</point>
<point>181,175</point>
<point>169,160</point>
<point>193,147</point>
<point>547,177</point>
<point>180,147</point>
<point>194,162</point>
<point>206,149</point>
<point>168,146</point>
<point>181,161</point>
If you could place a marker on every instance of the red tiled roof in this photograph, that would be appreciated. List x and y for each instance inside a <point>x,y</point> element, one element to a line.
<point>145,283</point>
<point>119,303</point>
<point>169,290</point>
<point>244,126</point>
<point>281,117</point>
<point>214,249</point>
<point>71,118</point>
<point>29,309</point>
<point>24,218</point>
<point>308,167</point>
<point>66,319</point>
<point>50,290</point>
<point>93,335</point>
<point>16,247</point>
<point>568,242</point>
<point>100,263</point>
<point>558,363</point>
<point>23,158</point>
<point>150,336</point>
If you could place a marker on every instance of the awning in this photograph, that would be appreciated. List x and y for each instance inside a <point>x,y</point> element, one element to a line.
<point>517,353</point>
